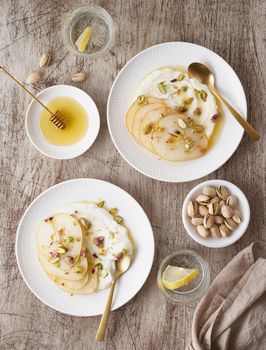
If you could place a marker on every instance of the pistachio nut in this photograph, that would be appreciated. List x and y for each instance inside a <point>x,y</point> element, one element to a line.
<point>33,78</point>
<point>231,201</point>
<point>192,209</point>
<point>224,230</point>
<point>227,212</point>
<point>222,193</point>
<point>203,199</point>
<point>208,221</point>
<point>214,208</point>
<point>237,217</point>
<point>79,77</point>
<point>202,231</point>
<point>203,210</point>
<point>230,224</point>
<point>209,191</point>
<point>215,232</point>
<point>45,59</point>
<point>197,220</point>
<point>218,220</point>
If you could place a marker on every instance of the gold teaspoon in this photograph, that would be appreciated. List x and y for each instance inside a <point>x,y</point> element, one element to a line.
<point>202,73</point>
<point>121,267</point>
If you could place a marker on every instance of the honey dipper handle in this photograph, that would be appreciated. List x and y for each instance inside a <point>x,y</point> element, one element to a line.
<point>24,88</point>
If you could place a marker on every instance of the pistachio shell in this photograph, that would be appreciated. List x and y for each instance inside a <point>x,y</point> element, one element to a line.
<point>224,230</point>
<point>202,231</point>
<point>237,217</point>
<point>45,59</point>
<point>203,210</point>
<point>214,208</point>
<point>230,224</point>
<point>79,77</point>
<point>192,209</point>
<point>33,78</point>
<point>222,193</point>
<point>227,212</point>
<point>218,220</point>
<point>215,232</point>
<point>215,199</point>
<point>203,199</point>
<point>231,201</point>
<point>209,191</point>
<point>197,220</point>
<point>208,221</point>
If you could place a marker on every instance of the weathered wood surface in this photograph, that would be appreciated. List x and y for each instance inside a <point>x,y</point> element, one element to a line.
<point>233,29</point>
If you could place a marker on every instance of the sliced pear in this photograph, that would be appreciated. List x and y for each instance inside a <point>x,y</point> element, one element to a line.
<point>55,271</point>
<point>177,138</point>
<point>147,126</point>
<point>134,108</point>
<point>73,284</point>
<point>139,117</point>
<point>88,288</point>
<point>45,233</point>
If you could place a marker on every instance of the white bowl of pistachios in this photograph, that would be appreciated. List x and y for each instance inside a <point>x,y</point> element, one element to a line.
<point>216,213</point>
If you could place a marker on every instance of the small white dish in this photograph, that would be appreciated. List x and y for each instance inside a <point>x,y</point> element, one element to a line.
<point>50,201</point>
<point>34,131</point>
<point>120,98</point>
<point>243,206</point>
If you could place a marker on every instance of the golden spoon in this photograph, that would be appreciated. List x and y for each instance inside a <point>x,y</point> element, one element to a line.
<point>56,118</point>
<point>202,73</point>
<point>121,267</point>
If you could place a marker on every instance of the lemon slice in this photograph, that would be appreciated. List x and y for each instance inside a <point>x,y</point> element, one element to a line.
<point>83,39</point>
<point>176,277</point>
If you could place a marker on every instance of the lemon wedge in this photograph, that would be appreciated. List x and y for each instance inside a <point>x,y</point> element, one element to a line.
<point>175,277</point>
<point>83,39</point>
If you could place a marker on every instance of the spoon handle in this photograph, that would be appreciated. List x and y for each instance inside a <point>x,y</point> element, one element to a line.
<point>249,129</point>
<point>102,326</point>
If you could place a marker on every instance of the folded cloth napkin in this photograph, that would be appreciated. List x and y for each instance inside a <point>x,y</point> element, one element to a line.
<point>232,315</point>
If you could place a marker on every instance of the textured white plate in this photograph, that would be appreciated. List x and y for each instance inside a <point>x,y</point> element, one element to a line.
<point>174,54</point>
<point>243,206</point>
<point>52,200</point>
<point>34,131</point>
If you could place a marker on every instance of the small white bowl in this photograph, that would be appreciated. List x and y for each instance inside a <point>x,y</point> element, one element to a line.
<point>242,205</point>
<point>33,126</point>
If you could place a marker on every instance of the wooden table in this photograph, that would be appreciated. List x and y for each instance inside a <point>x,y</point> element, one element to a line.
<point>233,29</point>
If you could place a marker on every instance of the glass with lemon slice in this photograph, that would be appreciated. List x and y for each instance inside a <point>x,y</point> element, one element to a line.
<point>184,276</point>
<point>88,31</point>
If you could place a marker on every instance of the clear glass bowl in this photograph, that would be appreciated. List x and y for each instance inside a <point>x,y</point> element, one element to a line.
<point>195,289</point>
<point>102,35</point>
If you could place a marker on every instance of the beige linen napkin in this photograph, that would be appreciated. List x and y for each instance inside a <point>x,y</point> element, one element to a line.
<point>232,315</point>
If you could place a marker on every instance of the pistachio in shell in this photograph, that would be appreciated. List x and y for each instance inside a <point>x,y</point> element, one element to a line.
<point>192,209</point>
<point>209,191</point>
<point>197,220</point>
<point>227,212</point>
<point>232,201</point>
<point>230,224</point>
<point>218,219</point>
<point>237,217</point>
<point>222,193</point>
<point>203,199</point>
<point>215,232</point>
<point>203,210</point>
<point>224,230</point>
<point>208,221</point>
<point>202,231</point>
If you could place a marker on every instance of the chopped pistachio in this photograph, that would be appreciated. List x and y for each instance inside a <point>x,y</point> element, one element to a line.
<point>197,111</point>
<point>188,101</point>
<point>184,88</point>
<point>100,204</point>
<point>196,91</point>
<point>140,99</point>
<point>189,145</point>
<point>52,237</point>
<point>147,129</point>
<point>181,109</point>
<point>181,77</point>
<point>124,251</point>
<point>118,219</point>
<point>69,239</point>
<point>203,95</point>
<point>85,223</point>
<point>162,87</point>
<point>104,273</point>
<point>99,266</point>
<point>61,249</point>
<point>181,123</point>
<point>54,260</point>
<point>57,264</point>
<point>87,233</point>
<point>78,269</point>
<point>113,211</point>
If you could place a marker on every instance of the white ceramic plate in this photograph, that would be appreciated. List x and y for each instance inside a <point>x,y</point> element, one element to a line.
<point>34,131</point>
<point>243,207</point>
<point>174,54</point>
<point>57,197</point>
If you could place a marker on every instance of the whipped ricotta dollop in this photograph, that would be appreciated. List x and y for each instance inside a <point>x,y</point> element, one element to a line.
<point>176,88</point>
<point>114,238</point>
